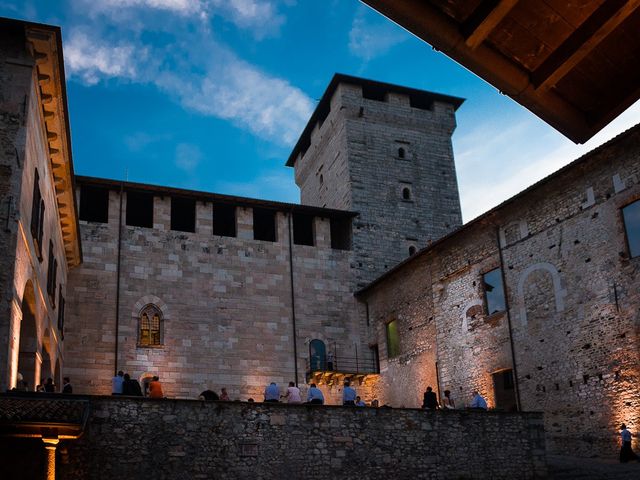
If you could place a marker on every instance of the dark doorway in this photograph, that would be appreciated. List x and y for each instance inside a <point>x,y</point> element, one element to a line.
<point>317,355</point>
<point>504,390</point>
<point>27,356</point>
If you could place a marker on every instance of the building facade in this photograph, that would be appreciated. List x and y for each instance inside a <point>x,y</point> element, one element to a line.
<point>38,238</point>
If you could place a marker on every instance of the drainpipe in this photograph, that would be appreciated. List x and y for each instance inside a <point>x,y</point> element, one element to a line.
<point>115,360</point>
<point>506,306</point>
<point>293,299</point>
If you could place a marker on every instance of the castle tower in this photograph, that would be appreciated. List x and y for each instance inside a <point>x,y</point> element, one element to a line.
<point>385,152</point>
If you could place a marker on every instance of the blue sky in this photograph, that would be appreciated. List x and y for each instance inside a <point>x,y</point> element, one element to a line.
<point>212,94</point>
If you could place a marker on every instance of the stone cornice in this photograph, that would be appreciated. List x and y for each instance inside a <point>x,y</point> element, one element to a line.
<point>45,45</point>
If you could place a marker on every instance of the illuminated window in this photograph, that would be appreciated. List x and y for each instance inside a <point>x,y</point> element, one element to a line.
<point>393,341</point>
<point>150,327</point>
<point>494,291</point>
<point>631,215</point>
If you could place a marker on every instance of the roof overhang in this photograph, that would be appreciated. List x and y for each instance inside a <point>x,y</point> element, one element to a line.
<point>573,64</point>
<point>45,45</point>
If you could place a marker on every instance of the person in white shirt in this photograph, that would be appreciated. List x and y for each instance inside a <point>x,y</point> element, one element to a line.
<point>293,394</point>
<point>626,453</point>
<point>116,383</point>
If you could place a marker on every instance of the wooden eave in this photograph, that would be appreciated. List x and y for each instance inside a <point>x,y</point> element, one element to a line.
<point>574,64</point>
<point>45,45</point>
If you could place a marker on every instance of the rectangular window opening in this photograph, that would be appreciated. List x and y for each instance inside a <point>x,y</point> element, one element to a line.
<point>631,216</point>
<point>372,93</point>
<point>418,101</point>
<point>61,302</point>
<point>494,291</point>
<point>303,229</point>
<point>224,220</point>
<point>393,340</point>
<point>183,214</point>
<point>139,209</point>
<point>94,204</point>
<point>264,224</point>
<point>340,233</point>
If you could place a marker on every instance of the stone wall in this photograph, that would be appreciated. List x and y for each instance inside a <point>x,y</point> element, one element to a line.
<point>225,301</point>
<point>572,296</point>
<point>175,439</point>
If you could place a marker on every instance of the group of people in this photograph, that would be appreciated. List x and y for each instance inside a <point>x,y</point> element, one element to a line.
<point>123,384</point>
<point>46,386</point>
<point>314,395</point>
<point>430,401</point>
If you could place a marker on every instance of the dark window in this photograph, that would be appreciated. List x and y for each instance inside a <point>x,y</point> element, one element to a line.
<point>317,355</point>
<point>264,224</point>
<point>302,229</point>
<point>401,153</point>
<point>341,233</point>
<point>224,220</point>
<point>412,250</point>
<point>420,102</point>
<point>631,215</point>
<point>139,209</point>
<point>373,93</point>
<point>37,216</point>
<point>150,324</point>
<point>61,313</point>
<point>183,214</point>
<point>375,357</point>
<point>393,340</point>
<point>406,193</point>
<point>94,204</point>
<point>504,391</point>
<point>494,291</point>
<point>52,273</point>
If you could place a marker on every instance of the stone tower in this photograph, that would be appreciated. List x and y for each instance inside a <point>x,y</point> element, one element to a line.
<point>385,152</point>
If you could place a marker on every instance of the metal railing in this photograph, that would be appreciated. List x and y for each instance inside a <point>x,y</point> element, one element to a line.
<point>343,364</point>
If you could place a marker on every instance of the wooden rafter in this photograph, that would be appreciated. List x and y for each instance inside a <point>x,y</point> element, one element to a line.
<point>482,22</point>
<point>582,42</point>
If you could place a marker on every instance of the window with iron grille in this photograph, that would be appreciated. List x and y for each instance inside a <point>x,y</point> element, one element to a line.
<point>150,331</point>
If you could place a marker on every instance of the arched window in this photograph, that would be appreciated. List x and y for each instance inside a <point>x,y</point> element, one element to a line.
<point>412,250</point>
<point>150,327</point>
<point>317,355</point>
<point>401,153</point>
<point>406,193</point>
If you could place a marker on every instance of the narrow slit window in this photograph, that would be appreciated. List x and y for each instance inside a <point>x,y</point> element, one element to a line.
<point>264,224</point>
<point>631,215</point>
<point>94,204</point>
<point>224,220</point>
<point>401,153</point>
<point>37,216</point>
<point>494,291</point>
<point>139,209</point>
<point>406,193</point>
<point>302,229</point>
<point>183,214</point>
<point>340,233</point>
<point>393,340</point>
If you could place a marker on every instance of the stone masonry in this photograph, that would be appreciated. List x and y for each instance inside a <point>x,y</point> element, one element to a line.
<point>572,304</point>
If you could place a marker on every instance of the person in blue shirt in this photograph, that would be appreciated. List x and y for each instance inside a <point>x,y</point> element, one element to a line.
<point>348,394</point>
<point>314,395</point>
<point>272,393</point>
<point>478,401</point>
<point>360,403</point>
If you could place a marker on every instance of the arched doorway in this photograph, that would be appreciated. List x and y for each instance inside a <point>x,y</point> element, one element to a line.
<point>317,355</point>
<point>28,352</point>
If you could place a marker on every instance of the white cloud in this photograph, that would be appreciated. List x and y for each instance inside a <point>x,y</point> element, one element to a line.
<point>277,185</point>
<point>495,163</point>
<point>188,157</point>
<point>368,39</point>
<point>91,60</point>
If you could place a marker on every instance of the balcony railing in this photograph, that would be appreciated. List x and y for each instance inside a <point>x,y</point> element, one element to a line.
<point>344,365</point>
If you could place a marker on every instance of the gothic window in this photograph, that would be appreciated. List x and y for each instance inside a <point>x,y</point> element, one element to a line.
<point>494,291</point>
<point>631,215</point>
<point>150,327</point>
<point>37,216</point>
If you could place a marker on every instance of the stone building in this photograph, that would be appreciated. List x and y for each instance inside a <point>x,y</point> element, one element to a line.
<point>243,292</point>
<point>39,233</point>
<point>534,304</point>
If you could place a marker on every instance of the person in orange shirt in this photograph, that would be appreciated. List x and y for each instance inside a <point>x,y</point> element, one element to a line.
<point>155,388</point>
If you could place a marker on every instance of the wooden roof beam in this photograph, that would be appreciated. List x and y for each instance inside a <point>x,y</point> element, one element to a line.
<point>582,41</point>
<point>484,19</point>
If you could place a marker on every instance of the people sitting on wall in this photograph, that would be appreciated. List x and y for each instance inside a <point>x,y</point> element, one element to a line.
<point>209,396</point>
<point>49,386</point>
<point>130,386</point>
<point>155,388</point>
<point>626,453</point>
<point>359,402</point>
<point>116,383</point>
<point>314,395</point>
<point>272,393</point>
<point>66,385</point>
<point>430,401</point>
<point>348,394</point>
<point>293,394</point>
<point>478,401</point>
<point>375,403</point>
<point>447,401</point>
<point>224,396</point>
